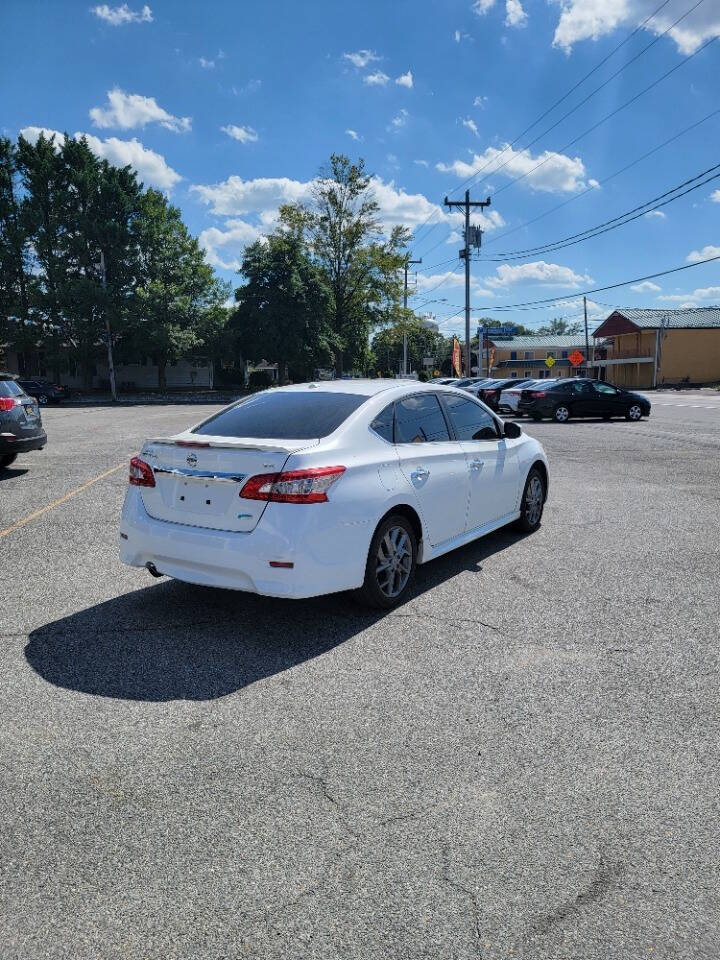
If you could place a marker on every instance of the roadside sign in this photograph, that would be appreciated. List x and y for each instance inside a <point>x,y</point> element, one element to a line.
<point>576,358</point>
<point>507,331</point>
<point>550,362</point>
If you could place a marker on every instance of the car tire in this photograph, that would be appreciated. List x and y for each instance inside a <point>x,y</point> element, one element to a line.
<point>536,417</point>
<point>561,413</point>
<point>392,543</point>
<point>634,412</point>
<point>6,459</point>
<point>532,503</point>
<point>42,399</point>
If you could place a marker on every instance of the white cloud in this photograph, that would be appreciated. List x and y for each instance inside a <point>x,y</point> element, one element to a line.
<point>655,215</point>
<point>405,80</point>
<point>206,64</point>
<point>459,36</point>
<point>449,278</point>
<point>701,293</point>
<point>715,196</point>
<point>481,7</point>
<point>480,102</point>
<point>151,167</point>
<point>539,272</point>
<point>224,248</point>
<point>361,58</point>
<point>119,16</point>
<point>400,120</point>
<point>32,134</point>
<point>646,287</point>
<point>354,135</point>
<point>257,203</point>
<point>555,173</point>
<point>470,124</point>
<point>695,256</point>
<point>592,19</point>
<point>243,134</point>
<point>515,15</point>
<point>421,163</point>
<point>378,79</point>
<point>130,110</point>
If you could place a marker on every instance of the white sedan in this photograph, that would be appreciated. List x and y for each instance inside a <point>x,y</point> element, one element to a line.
<point>510,396</point>
<point>320,487</point>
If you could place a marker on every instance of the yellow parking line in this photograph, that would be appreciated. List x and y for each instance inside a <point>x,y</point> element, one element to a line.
<point>61,500</point>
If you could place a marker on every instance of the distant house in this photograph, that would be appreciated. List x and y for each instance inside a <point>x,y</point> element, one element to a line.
<point>526,356</point>
<point>649,348</point>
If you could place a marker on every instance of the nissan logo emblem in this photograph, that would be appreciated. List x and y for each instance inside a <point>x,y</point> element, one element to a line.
<point>191,460</point>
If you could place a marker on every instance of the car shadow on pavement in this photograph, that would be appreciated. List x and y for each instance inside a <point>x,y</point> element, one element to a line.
<point>175,641</point>
<point>9,473</point>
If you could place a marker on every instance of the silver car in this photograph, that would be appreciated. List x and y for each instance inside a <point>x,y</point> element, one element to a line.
<point>21,426</point>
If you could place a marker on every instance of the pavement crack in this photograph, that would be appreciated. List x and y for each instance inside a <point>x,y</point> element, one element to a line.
<point>321,784</point>
<point>472,897</point>
<point>448,619</point>
<point>605,877</point>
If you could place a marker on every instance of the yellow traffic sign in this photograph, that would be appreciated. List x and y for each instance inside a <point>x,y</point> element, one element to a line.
<point>550,362</point>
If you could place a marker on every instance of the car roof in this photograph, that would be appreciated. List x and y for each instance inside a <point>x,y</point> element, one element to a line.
<point>364,387</point>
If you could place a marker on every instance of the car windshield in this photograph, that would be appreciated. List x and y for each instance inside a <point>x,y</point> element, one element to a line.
<point>284,415</point>
<point>8,388</point>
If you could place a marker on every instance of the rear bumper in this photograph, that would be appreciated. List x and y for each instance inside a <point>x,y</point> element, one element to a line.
<point>326,558</point>
<point>20,444</point>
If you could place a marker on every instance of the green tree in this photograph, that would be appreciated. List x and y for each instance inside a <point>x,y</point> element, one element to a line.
<point>282,309</point>
<point>361,265</point>
<point>559,328</point>
<point>17,282</point>
<point>179,302</point>
<point>387,344</point>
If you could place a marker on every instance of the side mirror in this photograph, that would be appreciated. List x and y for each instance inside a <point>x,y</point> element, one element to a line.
<point>512,430</point>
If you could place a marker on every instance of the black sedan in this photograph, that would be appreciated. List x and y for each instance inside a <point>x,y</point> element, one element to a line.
<point>581,397</point>
<point>44,391</point>
<point>20,423</point>
<point>490,392</point>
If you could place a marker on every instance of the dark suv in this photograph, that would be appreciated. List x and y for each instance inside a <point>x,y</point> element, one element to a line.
<point>581,397</point>
<point>20,424</point>
<point>43,390</point>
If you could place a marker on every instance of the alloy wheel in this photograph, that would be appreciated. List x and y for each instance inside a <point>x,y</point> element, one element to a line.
<point>393,564</point>
<point>634,412</point>
<point>562,414</point>
<point>534,497</point>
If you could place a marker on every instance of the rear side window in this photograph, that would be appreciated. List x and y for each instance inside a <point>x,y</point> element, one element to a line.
<point>8,388</point>
<point>382,425</point>
<point>277,415</point>
<point>469,419</point>
<point>420,419</point>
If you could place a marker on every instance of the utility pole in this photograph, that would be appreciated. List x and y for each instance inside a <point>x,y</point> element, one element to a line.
<point>587,342</point>
<point>467,204</point>
<point>408,261</point>
<point>108,334</point>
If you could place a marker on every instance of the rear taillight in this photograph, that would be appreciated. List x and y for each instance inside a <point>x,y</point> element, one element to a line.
<point>141,474</point>
<point>7,403</point>
<point>539,393</point>
<point>292,486</point>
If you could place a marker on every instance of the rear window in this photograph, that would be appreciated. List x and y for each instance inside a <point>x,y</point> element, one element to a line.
<point>8,388</point>
<point>276,415</point>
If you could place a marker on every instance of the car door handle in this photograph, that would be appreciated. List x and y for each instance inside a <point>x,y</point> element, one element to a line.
<point>420,473</point>
<point>477,464</point>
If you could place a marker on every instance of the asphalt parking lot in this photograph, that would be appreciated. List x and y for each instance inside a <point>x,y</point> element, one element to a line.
<point>520,762</point>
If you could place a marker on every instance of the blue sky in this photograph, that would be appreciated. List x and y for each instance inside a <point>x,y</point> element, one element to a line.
<point>231,107</point>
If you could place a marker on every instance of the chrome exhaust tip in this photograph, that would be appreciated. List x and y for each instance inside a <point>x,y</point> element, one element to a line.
<point>151,568</point>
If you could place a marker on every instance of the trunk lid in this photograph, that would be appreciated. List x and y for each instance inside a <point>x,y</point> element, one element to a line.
<point>198,481</point>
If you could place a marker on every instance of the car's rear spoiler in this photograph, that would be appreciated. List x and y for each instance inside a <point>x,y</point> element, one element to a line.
<point>189,439</point>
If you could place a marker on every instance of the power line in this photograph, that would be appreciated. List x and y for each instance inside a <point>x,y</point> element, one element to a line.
<point>593,92</point>
<point>617,173</point>
<point>549,109</point>
<point>614,224</point>
<point>537,304</point>
<point>608,116</point>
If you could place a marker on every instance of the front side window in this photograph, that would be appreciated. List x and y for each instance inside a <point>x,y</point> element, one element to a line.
<point>605,388</point>
<point>382,425</point>
<point>470,421</point>
<point>284,415</point>
<point>419,419</point>
<point>583,389</point>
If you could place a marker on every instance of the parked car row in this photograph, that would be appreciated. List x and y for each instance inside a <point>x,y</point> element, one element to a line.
<point>21,426</point>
